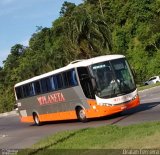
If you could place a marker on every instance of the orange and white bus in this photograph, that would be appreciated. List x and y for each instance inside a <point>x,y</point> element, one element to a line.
<point>83,89</point>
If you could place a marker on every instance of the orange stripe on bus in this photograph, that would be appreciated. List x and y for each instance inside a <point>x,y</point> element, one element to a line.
<point>28,119</point>
<point>52,117</point>
<point>99,111</point>
<point>58,116</point>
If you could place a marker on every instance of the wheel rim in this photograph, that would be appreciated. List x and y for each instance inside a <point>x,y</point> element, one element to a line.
<point>36,119</point>
<point>82,114</point>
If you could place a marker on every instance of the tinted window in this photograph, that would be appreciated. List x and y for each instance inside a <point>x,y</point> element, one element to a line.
<point>28,90</point>
<point>72,80</point>
<point>56,82</point>
<point>37,87</point>
<point>19,92</point>
<point>59,81</point>
<point>46,85</point>
<point>85,82</point>
<point>65,79</point>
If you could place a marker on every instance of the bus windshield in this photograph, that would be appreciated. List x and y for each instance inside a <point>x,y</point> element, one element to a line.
<point>113,78</point>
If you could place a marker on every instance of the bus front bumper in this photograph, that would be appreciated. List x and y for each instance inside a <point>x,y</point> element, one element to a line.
<point>100,111</point>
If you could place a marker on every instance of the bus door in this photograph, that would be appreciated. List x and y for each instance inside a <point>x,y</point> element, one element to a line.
<point>85,81</point>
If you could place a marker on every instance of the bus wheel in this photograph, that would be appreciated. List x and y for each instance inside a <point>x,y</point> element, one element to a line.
<point>36,119</point>
<point>81,115</point>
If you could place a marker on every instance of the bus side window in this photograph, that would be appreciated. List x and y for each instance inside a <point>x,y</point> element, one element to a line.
<point>24,91</point>
<point>43,86</point>
<point>59,81</point>
<point>37,87</point>
<point>54,83</point>
<point>65,79</point>
<point>19,92</point>
<point>31,90</point>
<point>71,75</point>
<point>28,90</point>
<point>46,85</point>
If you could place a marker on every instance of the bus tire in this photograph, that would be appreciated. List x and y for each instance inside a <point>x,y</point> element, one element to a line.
<point>81,115</point>
<point>36,119</point>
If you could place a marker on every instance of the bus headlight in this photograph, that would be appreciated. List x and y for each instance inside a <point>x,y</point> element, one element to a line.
<point>135,97</point>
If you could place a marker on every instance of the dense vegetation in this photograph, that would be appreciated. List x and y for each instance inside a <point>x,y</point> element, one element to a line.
<point>95,27</point>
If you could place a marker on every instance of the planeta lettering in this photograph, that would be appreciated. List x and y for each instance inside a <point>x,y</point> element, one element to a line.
<point>53,98</point>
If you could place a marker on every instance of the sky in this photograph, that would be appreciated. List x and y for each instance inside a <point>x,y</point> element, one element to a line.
<point>19,18</point>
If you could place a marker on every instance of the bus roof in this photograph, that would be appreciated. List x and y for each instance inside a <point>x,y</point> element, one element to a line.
<point>74,64</point>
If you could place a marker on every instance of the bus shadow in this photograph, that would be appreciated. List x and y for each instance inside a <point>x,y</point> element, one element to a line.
<point>129,112</point>
<point>142,107</point>
<point>124,114</point>
<point>57,122</point>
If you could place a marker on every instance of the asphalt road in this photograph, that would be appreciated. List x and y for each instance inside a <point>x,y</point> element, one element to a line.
<point>17,135</point>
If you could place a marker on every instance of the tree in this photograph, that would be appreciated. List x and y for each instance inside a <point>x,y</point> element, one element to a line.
<point>96,27</point>
<point>12,59</point>
<point>67,8</point>
<point>90,33</point>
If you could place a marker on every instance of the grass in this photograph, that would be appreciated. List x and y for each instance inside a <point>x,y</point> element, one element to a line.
<point>84,141</point>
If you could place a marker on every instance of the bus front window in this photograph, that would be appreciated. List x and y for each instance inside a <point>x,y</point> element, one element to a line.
<point>113,78</point>
<point>123,75</point>
<point>106,83</point>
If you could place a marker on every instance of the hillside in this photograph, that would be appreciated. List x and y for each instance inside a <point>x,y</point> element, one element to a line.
<point>129,27</point>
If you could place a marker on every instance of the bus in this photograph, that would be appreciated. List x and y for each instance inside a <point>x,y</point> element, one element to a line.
<point>84,89</point>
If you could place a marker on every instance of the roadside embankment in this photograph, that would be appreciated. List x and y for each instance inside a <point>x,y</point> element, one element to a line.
<point>14,112</point>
